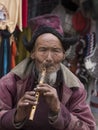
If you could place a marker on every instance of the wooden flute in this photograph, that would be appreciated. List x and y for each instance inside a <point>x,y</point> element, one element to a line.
<point>37,94</point>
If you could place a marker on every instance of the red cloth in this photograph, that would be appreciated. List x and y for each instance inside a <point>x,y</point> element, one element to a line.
<point>81,23</point>
<point>24,13</point>
<point>13,54</point>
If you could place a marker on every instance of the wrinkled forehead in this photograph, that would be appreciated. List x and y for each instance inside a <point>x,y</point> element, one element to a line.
<point>48,39</point>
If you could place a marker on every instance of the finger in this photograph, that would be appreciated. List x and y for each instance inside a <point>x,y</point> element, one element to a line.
<point>29,97</point>
<point>33,103</point>
<point>44,85</point>
<point>27,103</point>
<point>42,90</point>
<point>23,103</point>
<point>48,94</point>
<point>32,93</point>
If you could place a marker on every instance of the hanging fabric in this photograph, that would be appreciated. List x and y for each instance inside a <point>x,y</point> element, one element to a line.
<point>24,13</point>
<point>5,53</point>
<point>10,14</point>
<point>13,51</point>
<point>1,59</point>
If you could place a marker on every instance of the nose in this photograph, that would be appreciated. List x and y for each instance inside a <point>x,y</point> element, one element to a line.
<point>49,57</point>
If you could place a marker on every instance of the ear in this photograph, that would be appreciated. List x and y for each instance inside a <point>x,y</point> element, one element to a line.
<point>32,55</point>
<point>64,56</point>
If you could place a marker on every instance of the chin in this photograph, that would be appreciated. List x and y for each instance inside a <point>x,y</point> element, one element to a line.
<point>52,69</point>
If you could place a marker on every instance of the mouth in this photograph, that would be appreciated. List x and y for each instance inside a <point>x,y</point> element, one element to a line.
<point>46,64</point>
<point>50,67</point>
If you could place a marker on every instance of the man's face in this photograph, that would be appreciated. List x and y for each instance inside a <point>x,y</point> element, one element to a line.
<point>48,52</point>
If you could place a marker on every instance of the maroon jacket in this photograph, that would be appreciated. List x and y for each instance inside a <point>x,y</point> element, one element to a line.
<point>74,114</point>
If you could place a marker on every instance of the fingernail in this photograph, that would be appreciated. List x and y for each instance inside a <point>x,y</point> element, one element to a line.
<point>27,103</point>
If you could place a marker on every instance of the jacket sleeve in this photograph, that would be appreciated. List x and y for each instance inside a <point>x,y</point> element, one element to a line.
<point>76,114</point>
<point>7,98</point>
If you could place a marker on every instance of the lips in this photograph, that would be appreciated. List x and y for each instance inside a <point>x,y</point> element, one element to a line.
<point>47,64</point>
<point>50,67</point>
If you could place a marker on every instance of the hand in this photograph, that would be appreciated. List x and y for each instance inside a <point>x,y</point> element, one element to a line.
<point>50,95</point>
<point>24,106</point>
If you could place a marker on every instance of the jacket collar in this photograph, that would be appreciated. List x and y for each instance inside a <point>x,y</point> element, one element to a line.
<point>24,68</point>
<point>69,78</point>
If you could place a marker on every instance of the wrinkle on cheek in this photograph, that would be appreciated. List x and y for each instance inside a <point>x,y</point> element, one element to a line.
<point>58,58</point>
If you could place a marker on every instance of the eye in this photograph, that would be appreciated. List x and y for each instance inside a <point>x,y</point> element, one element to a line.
<point>42,49</point>
<point>57,50</point>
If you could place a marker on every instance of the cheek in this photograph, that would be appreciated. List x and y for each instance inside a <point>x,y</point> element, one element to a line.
<point>58,58</point>
<point>39,57</point>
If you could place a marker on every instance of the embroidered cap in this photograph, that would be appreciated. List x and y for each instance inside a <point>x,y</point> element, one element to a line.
<point>47,24</point>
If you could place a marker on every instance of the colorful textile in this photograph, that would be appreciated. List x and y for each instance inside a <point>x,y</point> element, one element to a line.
<point>10,14</point>
<point>81,23</point>
<point>24,13</point>
<point>13,54</point>
<point>5,59</point>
